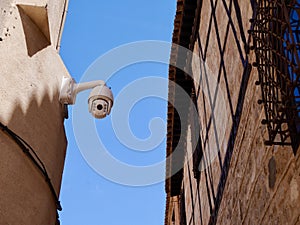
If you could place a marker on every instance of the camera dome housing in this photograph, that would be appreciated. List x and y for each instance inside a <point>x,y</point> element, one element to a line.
<point>100,101</point>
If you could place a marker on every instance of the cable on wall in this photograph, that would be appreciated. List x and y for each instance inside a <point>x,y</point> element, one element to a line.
<point>34,158</point>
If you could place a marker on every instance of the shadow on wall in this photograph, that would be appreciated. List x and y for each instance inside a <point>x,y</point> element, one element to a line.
<point>227,38</point>
<point>26,197</point>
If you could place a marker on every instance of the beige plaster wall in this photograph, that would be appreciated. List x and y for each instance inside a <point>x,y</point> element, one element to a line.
<point>29,106</point>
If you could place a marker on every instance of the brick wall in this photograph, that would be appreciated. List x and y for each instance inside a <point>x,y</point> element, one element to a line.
<point>242,181</point>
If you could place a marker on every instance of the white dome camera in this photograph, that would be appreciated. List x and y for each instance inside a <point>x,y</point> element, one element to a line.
<point>100,100</point>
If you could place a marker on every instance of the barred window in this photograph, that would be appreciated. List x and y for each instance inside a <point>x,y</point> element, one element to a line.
<point>276,42</point>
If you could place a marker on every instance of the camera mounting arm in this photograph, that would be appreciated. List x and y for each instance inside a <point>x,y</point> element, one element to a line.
<point>69,89</point>
<point>100,100</point>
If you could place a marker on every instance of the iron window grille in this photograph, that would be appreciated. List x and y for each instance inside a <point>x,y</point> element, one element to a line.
<point>276,43</point>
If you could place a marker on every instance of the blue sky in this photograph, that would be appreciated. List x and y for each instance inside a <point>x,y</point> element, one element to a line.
<point>91,30</point>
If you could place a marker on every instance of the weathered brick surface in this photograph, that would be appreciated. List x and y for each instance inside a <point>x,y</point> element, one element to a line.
<point>263,183</point>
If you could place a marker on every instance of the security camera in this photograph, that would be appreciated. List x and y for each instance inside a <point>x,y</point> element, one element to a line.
<point>100,100</point>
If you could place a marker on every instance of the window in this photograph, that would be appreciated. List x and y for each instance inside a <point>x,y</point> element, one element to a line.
<point>276,42</point>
